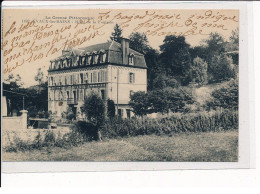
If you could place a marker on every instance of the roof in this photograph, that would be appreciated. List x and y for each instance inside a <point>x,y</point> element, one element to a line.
<point>113,50</point>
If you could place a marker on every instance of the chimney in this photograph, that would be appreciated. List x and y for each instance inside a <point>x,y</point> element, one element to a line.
<point>125,50</point>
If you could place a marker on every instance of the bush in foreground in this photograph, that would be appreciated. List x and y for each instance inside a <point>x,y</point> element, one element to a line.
<point>83,131</point>
<point>195,122</point>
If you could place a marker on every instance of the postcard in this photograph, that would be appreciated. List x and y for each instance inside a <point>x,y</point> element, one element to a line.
<point>160,85</point>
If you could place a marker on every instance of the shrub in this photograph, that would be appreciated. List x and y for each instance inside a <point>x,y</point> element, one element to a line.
<point>139,102</point>
<point>198,71</point>
<point>111,111</point>
<point>194,122</point>
<point>225,97</point>
<point>173,99</point>
<point>94,108</point>
<point>87,129</point>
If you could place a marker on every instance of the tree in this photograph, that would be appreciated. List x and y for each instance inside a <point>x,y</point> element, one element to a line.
<point>198,71</point>
<point>117,34</point>
<point>162,81</point>
<point>234,40</point>
<point>139,42</point>
<point>39,78</point>
<point>14,82</point>
<point>175,57</point>
<point>111,108</point>
<point>139,103</point>
<point>94,108</point>
<point>222,68</point>
<point>215,45</point>
<point>167,99</point>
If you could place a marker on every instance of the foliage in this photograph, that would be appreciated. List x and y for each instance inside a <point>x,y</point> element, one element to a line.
<point>175,57</point>
<point>198,71</point>
<point>111,110</point>
<point>198,122</point>
<point>88,130</point>
<point>215,45</point>
<point>162,81</point>
<point>139,42</point>
<point>94,108</point>
<point>69,114</point>
<point>170,99</point>
<point>117,34</point>
<point>139,103</point>
<point>39,78</point>
<point>225,97</point>
<point>222,68</point>
<point>14,82</point>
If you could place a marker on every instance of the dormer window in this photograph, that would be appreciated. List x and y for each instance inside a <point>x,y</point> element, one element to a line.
<point>83,60</point>
<point>103,57</point>
<point>89,59</point>
<point>61,63</point>
<point>131,59</point>
<point>95,59</point>
<point>77,60</point>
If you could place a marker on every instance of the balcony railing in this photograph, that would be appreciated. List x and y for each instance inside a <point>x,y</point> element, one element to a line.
<point>72,101</point>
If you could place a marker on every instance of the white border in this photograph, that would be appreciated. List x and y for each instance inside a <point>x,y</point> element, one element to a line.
<point>246,130</point>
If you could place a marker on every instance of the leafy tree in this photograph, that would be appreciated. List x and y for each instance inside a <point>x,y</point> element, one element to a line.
<point>167,99</point>
<point>14,82</point>
<point>117,34</point>
<point>139,102</point>
<point>215,45</point>
<point>223,68</point>
<point>94,108</point>
<point>111,108</point>
<point>225,97</point>
<point>39,78</point>
<point>234,40</point>
<point>175,57</point>
<point>139,42</point>
<point>199,71</point>
<point>199,51</point>
<point>162,81</point>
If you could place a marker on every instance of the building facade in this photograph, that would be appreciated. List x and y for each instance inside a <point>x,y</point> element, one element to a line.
<point>112,70</point>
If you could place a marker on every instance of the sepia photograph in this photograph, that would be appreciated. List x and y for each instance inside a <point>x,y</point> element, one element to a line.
<point>120,85</point>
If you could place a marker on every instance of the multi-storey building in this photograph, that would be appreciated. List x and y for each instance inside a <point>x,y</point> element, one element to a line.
<point>110,69</point>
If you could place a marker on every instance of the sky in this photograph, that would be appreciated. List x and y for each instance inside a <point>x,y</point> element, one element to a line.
<point>51,27</point>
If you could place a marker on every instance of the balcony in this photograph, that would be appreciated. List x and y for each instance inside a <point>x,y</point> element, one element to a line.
<point>72,101</point>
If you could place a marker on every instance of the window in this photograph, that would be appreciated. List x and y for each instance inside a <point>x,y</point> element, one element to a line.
<point>81,78</point>
<point>68,95</point>
<point>95,61</point>
<point>103,57</point>
<point>71,79</point>
<point>91,80</point>
<point>94,76</point>
<point>131,59</point>
<point>51,81</point>
<point>86,78</point>
<point>131,78</point>
<point>83,60</point>
<point>89,59</point>
<point>78,61</point>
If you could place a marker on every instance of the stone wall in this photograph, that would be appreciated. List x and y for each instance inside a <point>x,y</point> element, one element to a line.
<point>15,123</point>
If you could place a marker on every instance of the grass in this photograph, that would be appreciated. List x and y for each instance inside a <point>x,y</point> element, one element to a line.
<point>182,147</point>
